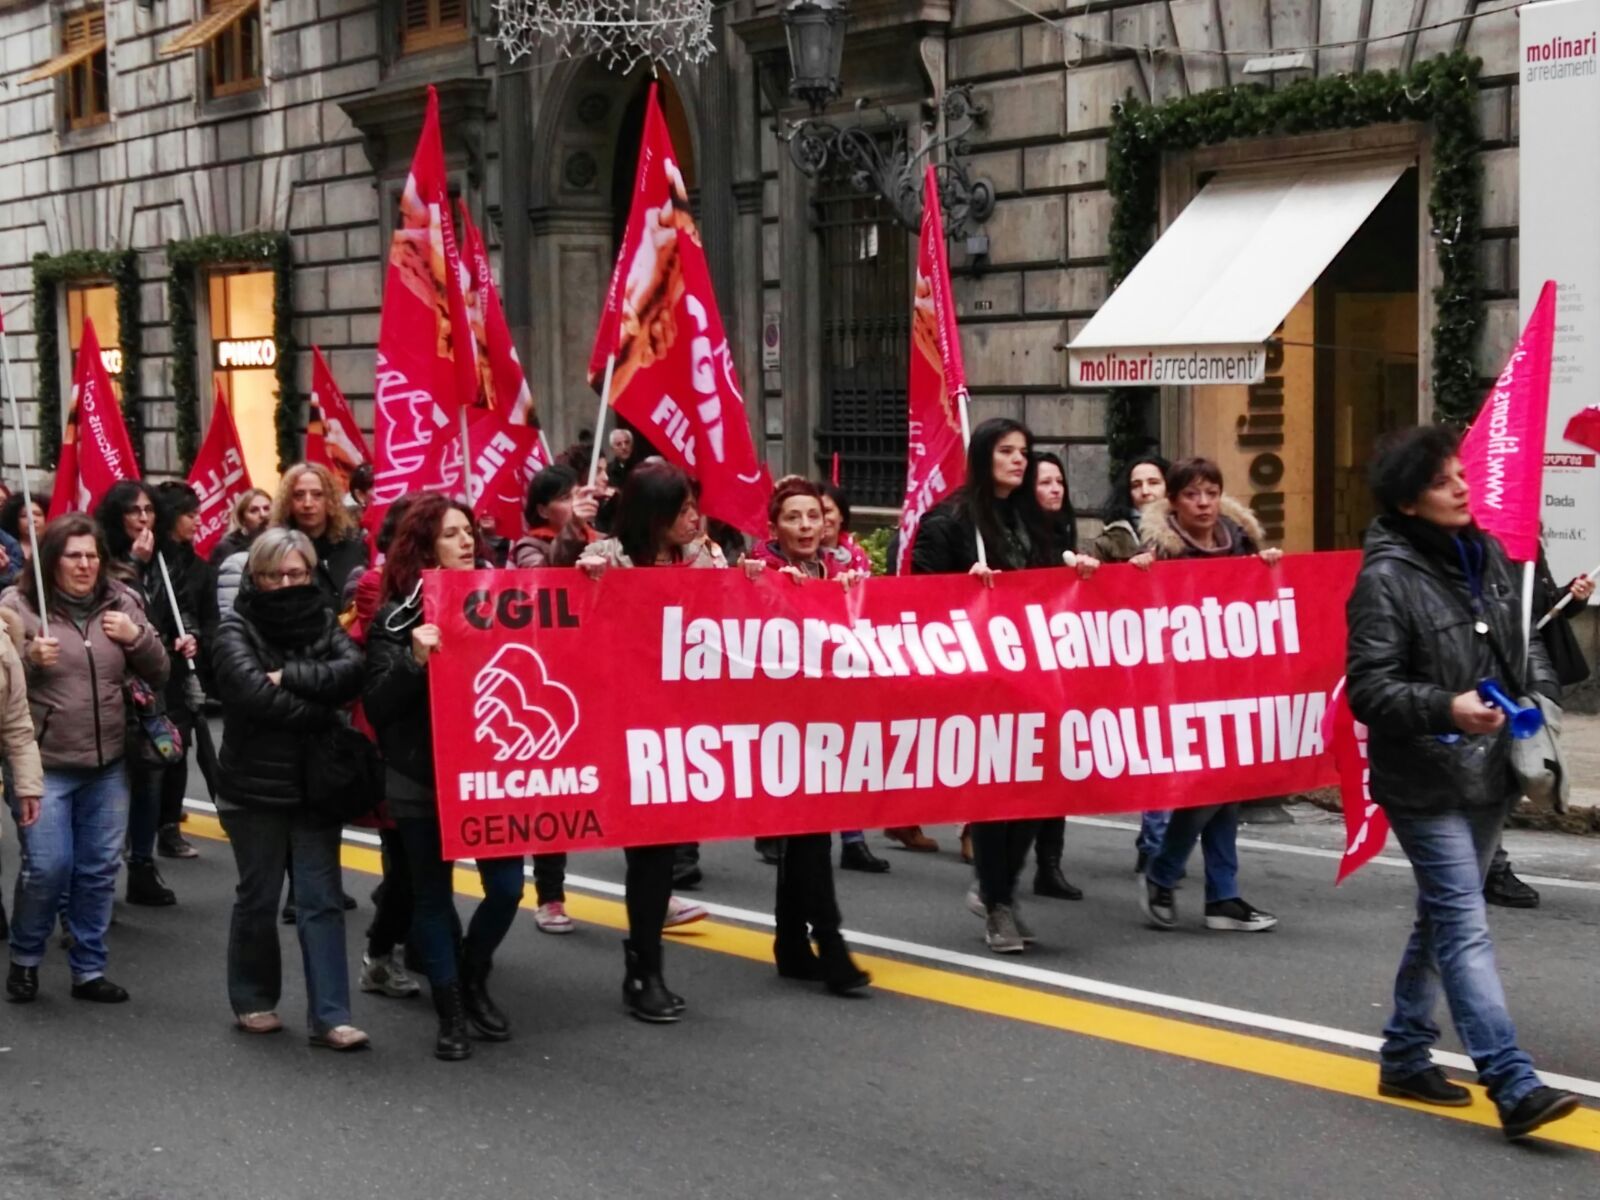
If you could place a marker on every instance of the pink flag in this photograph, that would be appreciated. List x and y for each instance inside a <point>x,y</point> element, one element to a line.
<point>332,436</point>
<point>1503,452</point>
<point>219,476</point>
<point>674,379</point>
<point>95,450</point>
<point>1584,428</point>
<point>936,453</point>
<point>1366,828</point>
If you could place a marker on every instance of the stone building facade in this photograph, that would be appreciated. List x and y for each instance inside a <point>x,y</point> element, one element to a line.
<point>211,119</point>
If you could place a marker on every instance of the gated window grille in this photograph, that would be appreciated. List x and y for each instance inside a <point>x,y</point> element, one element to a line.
<point>866,334</point>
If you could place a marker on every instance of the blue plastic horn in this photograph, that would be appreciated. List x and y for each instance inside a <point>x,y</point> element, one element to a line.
<point>1524,722</point>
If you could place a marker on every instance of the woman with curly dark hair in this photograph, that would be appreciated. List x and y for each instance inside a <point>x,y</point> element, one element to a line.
<point>437,532</point>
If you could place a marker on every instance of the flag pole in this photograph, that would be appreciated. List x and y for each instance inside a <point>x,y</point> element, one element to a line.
<point>27,492</point>
<point>172,599</point>
<point>466,457</point>
<point>1565,600</point>
<point>1527,617</point>
<point>600,417</point>
<point>966,443</point>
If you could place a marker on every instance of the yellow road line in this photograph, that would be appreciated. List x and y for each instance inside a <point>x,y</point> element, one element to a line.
<point>1287,1061</point>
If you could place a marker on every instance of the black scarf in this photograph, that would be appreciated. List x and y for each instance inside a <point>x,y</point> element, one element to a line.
<point>288,617</point>
<point>1441,546</point>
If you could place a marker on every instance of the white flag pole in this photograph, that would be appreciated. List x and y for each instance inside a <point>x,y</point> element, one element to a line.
<point>600,418</point>
<point>1565,600</point>
<point>1527,618</point>
<point>172,599</point>
<point>966,442</point>
<point>27,492</point>
<point>466,458</point>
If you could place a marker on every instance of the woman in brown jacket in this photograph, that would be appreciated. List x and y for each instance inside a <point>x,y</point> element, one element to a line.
<point>24,776</point>
<point>96,637</point>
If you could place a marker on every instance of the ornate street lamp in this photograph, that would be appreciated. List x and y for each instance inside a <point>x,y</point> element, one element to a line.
<point>882,160</point>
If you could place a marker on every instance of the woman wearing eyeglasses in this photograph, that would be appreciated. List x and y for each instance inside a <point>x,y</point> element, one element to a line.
<point>284,669</point>
<point>72,835</point>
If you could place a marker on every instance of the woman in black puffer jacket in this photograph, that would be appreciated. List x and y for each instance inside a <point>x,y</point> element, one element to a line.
<point>284,669</point>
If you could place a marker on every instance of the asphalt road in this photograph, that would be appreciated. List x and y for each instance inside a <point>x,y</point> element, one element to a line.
<point>948,1081</point>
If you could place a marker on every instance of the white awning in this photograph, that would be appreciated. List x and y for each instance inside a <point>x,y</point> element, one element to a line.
<point>1201,304</point>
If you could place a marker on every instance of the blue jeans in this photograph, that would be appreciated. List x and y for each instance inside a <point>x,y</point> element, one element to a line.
<point>850,836</point>
<point>1152,828</point>
<point>1216,828</point>
<point>73,849</point>
<point>435,927</point>
<point>1450,949</point>
<point>262,841</point>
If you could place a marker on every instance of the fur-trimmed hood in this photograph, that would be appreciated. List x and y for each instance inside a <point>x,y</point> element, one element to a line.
<point>1157,529</point>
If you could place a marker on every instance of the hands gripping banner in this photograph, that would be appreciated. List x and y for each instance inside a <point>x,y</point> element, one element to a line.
<point>768,707</point>
<point>674,377</point>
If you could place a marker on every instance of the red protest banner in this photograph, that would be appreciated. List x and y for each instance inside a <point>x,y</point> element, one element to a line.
<point>674,379</point>
<point>936,449</point>
<point>219,476</point>
<point>95,449</point>
<point>766,707</point>
<point>427,363</point>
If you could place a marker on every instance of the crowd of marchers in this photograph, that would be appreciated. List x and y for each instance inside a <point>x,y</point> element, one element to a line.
<point>121,640</point>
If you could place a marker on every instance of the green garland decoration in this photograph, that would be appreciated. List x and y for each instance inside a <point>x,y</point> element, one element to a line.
<point>121,267</point>
<point>185,260</point>
<point>1443,91</point>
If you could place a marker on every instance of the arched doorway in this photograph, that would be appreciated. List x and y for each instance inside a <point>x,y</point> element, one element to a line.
<point>585,147</point>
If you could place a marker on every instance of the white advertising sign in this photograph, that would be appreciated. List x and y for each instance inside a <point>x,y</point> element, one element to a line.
<point>1560,240</point>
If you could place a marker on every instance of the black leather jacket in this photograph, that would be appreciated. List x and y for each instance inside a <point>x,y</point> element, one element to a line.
<point>267,728</point>
<point>395,695</point>
<point>1412,649</point>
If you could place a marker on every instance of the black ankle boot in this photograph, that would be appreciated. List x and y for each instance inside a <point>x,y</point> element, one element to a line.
<point>795,958</point>
<point>145,886</point>
<point>452,1044</point>
<point>839,970</point>
<point>22,984</point>
<point>483,1014</point>
<point>1049,881</point>
<point>643,990</point>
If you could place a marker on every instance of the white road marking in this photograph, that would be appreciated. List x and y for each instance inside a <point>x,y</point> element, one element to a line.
<point>1081,984</point>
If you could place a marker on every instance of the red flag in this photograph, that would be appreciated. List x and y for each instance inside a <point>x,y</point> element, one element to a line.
<point>95,450</point>
<point>674,377</point>
<point>936,453</point>
<point>426,368</point>
<point>506,454</point>
<point>219,476</point>
<point>1366,827</point>
<point>1503,452</point>
<point>502,381</point>
<point>1584,428</point>
<point>332,436</point>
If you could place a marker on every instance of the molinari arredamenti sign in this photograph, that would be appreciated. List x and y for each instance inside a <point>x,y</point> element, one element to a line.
<point>1560,240</point>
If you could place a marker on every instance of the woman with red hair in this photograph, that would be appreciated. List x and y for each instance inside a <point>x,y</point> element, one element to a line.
<point>436,532</point>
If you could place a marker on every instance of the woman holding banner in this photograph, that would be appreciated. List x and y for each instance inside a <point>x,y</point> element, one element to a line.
<point>71,850</point>
<point>998,507</point>
<point>657,524</point>
<point>806,895</point>
<point>1435,612</point>
<point>1140,485</point>
<point>1196,520</point>
<point>437,532</point>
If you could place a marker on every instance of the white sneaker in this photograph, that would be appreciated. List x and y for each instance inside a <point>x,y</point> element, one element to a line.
<point>975,904</point>
<point>387,976</point>
<point>551,917</point>
<point>682,912</point>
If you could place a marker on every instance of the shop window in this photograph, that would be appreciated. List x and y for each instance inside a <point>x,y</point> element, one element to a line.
<point>228,34</point>
<point>98,302</point>
<point>83,69</point>
<point>425,24</point>
<point>244,360</point>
